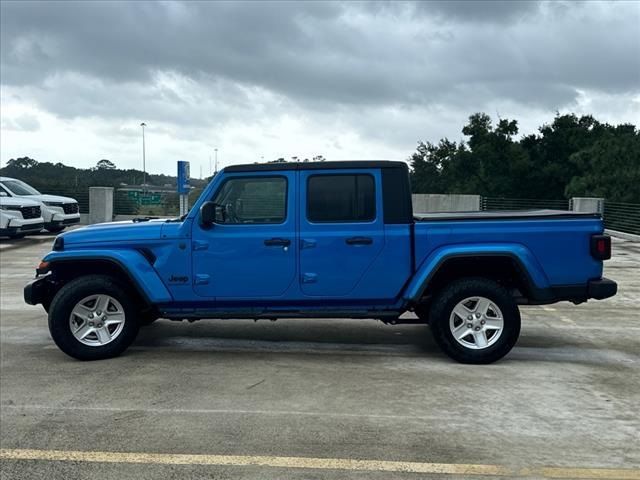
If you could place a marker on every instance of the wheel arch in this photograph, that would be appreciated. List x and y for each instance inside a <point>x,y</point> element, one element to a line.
<point>131,268</point>
<point>514,268</point>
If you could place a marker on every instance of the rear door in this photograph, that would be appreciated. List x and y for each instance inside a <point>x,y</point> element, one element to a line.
<point>341,229</point>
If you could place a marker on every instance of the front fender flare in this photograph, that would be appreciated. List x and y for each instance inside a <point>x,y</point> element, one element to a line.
<point>131,262</point>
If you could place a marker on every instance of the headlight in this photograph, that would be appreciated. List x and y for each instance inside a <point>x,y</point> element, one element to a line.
<point>52,204</point>
<point>10,207</point>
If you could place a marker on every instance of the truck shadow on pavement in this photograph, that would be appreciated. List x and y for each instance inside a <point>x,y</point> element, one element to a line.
<point>303,335</point>
<point>356,337</point>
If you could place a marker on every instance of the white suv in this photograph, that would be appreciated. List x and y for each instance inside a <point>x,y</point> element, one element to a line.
<point>19,216</point>
<point>57,212</point>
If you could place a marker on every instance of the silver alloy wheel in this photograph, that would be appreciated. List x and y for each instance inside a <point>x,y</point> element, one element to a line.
<point>97,320</point>
<point>476,323</point>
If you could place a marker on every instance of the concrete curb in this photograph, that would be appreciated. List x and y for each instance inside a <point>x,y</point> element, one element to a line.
<point>626,236</point>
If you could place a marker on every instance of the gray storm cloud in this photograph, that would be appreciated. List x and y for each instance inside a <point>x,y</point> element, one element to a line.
<point>203,60</point>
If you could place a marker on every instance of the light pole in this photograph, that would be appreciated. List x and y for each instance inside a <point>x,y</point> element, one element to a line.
<point>144,164</point>
<point>216,162</point>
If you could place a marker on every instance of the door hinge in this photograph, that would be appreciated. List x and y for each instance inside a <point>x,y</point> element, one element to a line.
<point>309,278</point>
<point>307,243</point>
<point>200,245</point>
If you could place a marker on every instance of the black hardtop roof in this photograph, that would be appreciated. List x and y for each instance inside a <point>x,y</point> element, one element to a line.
<point>328,165</point>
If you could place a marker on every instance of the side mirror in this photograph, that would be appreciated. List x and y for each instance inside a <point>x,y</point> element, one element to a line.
<point>211,213</point>
<point>3,193</point>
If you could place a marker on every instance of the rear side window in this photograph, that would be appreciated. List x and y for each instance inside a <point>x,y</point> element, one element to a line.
<point>254,200</point>
<point>341,198</point>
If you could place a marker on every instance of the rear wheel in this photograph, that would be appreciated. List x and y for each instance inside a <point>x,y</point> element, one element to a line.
<point>92,318</point>
<point>475,320</point>
<point>55,229</point>
<point>147,317</point>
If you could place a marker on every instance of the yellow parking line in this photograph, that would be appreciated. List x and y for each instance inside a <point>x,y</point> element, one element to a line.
<point>316,463</point>
<point>589,473</point>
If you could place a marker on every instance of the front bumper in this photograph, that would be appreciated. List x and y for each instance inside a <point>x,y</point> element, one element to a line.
<point>59,220</point>
<point>21,228</point>
<point>38,289</point>
<point>603,288</point>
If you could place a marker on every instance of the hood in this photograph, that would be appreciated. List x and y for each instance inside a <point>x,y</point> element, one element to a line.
<point>51,198</point>
<point>18,202</point>
<point>115,232</point>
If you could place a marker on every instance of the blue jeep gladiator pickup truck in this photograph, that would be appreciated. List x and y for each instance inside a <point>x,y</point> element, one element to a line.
<point>325,239</point>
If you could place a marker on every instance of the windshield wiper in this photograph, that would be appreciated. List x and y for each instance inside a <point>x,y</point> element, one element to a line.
<point>178,219</point>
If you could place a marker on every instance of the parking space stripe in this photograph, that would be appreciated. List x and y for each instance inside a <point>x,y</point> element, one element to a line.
<point>316,464</point>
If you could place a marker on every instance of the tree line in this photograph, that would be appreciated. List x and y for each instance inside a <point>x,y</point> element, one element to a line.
<point>60,177</point>
<point>571,157</point>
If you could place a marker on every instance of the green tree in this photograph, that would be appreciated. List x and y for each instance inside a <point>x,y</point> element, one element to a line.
<point>22,162</point>
<point>610,168</point>
<point>105,164</point>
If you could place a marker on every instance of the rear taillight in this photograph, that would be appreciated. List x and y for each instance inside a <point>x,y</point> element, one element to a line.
<point>601,247</point>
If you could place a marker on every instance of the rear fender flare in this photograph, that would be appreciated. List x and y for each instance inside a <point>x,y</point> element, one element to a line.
<point>526,261</point>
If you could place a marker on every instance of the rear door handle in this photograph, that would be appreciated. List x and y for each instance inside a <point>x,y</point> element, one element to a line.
<point>277,242</point>
<point>359,241</point>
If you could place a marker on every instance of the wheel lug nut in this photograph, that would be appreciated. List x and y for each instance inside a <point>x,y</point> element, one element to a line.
<point>477,315</point>
<point>99,313</point>
<point>469,325</point>
<point>91,324</point>
<point>470,317</point>
<point>91,315</point>
<point>477,328</point>
<point>482,322</point>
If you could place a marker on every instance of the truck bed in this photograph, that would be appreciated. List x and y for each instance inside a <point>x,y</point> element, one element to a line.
<point>503,215</point>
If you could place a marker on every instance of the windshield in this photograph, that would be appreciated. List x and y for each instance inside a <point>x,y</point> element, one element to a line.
<point>19,188</point>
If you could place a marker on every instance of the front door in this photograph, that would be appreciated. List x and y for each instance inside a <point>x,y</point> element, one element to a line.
<point>341,230</point>
<point>252,254</point>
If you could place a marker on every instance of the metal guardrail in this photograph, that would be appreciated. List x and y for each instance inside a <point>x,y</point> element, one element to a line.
<point>495,203</point>
<point>623,217</point>
<point>153,204</point>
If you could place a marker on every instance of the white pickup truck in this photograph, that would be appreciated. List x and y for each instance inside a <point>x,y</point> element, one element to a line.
<point>57,212</point>
<point>19,216</point>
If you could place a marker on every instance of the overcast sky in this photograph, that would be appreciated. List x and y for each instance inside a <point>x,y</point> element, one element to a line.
<point>343,80</point>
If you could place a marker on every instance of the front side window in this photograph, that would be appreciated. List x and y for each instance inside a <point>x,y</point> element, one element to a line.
<point>341,198</point>
<point>253,200</point>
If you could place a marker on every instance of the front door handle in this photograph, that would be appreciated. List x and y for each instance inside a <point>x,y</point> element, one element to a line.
<point>277,242</point>
<point>359,241</point>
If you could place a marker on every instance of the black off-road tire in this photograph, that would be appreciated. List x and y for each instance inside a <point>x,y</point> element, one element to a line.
<point>446,300</point>
<point>147,317</point>
<point>55,229</point>
<point>67,298</point>
<point>423,311</point>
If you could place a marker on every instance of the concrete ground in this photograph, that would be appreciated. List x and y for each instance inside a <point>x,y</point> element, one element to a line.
<point>238,399</point>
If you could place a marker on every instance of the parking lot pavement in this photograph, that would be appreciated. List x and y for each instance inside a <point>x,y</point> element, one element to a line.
<point>7,244</point>
<point>306,398</point>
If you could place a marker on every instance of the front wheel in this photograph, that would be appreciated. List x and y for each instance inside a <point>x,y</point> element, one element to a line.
<point>93,318</point>
<point>55,229</point>
<point>475,320</point>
